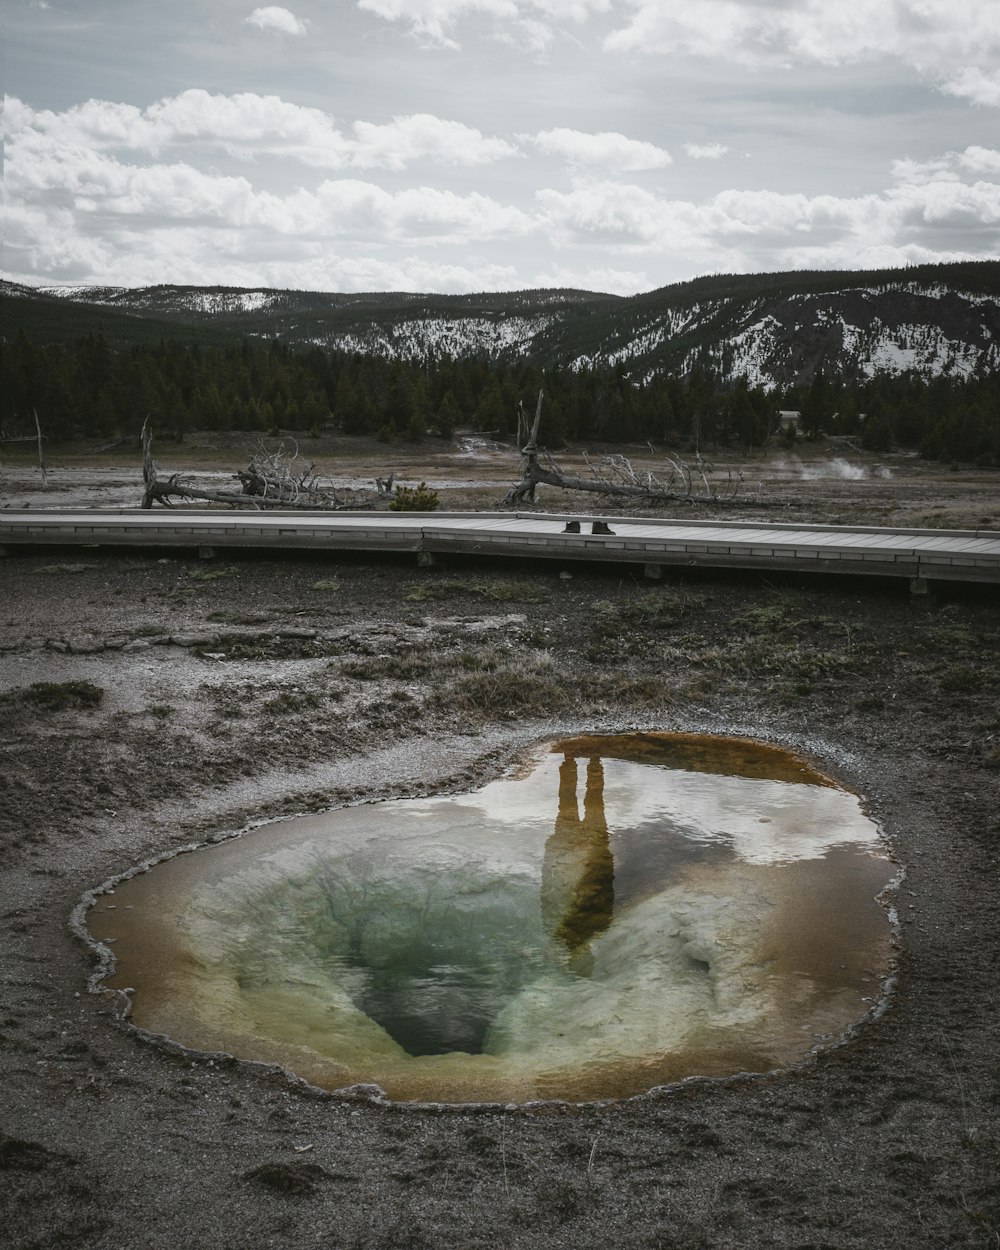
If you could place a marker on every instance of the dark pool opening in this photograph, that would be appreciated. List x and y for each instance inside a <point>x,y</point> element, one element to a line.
<point>434,994</point>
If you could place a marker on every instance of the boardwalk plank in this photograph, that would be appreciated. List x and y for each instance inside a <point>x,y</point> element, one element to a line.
<point>972,555</point>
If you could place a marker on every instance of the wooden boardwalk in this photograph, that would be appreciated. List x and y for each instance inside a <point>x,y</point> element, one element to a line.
<point>917,554</point>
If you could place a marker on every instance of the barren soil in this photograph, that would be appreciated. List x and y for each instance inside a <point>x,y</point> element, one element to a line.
<point>830,481</point>
<point>235,691</point>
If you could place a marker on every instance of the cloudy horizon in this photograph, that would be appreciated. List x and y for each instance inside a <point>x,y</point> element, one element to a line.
<point>471,145</point>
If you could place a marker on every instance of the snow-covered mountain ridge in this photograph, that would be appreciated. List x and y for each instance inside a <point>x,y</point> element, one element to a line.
<point>773,329</point>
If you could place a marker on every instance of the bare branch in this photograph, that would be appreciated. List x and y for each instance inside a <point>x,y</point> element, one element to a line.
<point>615,475</point>
<point>272,479</point>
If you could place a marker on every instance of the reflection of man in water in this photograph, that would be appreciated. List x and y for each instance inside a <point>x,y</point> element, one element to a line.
<point>578,873</point>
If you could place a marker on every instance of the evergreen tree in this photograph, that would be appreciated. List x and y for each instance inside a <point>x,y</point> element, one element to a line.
<point>491,415</point>
<point>448,416</point>
<point>876,434</point>
<point>89,388</point>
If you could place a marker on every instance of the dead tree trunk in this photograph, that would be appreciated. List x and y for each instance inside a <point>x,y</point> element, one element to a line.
<point>271,480</point>
<point>616,476</point>
<point>527,445</point>
<point>41,453</point>
<point>150,491</point>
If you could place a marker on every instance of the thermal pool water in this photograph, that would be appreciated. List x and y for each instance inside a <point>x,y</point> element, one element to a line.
<point>623,912</point>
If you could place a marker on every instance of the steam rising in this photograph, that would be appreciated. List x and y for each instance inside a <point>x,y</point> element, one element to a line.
<point>836,467</point>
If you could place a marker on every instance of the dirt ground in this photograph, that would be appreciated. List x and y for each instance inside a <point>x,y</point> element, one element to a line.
<point>225,692</point>
<point>829,481</point>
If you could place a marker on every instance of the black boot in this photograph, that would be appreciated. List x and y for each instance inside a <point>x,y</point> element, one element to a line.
<point>572,527</point>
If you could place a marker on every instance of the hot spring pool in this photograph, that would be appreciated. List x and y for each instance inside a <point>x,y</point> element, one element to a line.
<point>623,912</point>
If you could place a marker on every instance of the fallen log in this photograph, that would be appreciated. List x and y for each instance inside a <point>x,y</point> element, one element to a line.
<point>270,481</point>
<point>615,476</point>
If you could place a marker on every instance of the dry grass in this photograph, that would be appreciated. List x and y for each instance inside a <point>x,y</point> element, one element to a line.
<point>496,589</point>
<point>894,489</point>
<point>214,575</point>
<point>64,568</point>
<point>51,696</point>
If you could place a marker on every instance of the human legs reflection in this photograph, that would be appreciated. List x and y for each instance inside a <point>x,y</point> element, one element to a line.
<point>578,870</point>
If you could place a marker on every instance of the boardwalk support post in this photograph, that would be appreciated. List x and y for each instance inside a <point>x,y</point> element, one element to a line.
<point>920,594</point>
<point>652,572</point>
<point>206,553</point>
<point>426,560</point>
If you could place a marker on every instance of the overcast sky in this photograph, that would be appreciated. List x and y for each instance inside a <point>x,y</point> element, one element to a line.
<point>468,145</point>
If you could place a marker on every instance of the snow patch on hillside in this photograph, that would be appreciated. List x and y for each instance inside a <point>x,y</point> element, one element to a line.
<point>86,294</point>
<point>750,354</point>
<point>439,336</point>
<point>229,301</point>
<point>645,339</point>
<point>932,291</point>
<point>919,348</point>
<point>200,300</point>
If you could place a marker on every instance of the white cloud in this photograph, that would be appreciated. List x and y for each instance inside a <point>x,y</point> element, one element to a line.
<point>934,35</point>
<point>528,34</point>
<point>600,278</point>
<point>274,17</point>
<point>248,125</point>
<point>980,160</point>
<point>975,84</point>
<point>609,150</point>
<point>610,212</point>
<point>958,204</point>
<point>422,137</point>
<point>84,216</point>
<point>101,186</point>
<point>363,210</point>
<point>410,273</point>
<point>96,123</point>
<point>709,28</point>
<point>572,10</point>
<point>244,124</point>
<point>947,40</point>
<point>950,167</point>
<point>195,258</point>
<point>923,171</point>
<point>767,229</point>
<point>848,255</point>
<point>953,45</point>
<point>705,151</point>
<point>109,192</point>
<point>89,196</point>
<point>434,21</point>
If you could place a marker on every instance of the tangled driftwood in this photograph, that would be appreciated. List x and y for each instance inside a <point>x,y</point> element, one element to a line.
<point>615,475</point>
<point>272,479</point>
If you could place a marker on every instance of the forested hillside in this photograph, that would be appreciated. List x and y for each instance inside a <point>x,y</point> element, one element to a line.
<point>896,358</point>
<point>774,330</point>
<point>85,387</point>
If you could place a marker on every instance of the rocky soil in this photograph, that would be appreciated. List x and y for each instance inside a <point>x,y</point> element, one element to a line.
<point>147,704</point>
